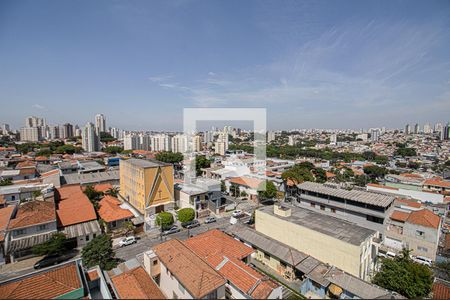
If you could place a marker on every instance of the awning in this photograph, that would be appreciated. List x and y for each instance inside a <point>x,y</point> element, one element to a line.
<point>335,290</point>
<point>137,221</point>
<point>28,242</point>
<point>82,229</point>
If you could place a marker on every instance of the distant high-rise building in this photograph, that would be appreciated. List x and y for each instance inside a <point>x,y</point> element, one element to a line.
<point>427,128</point>
<point>90,140</point>
<point>53,132</point>
<point>179,143</point>
<point>291,140</point>
<point>407,129</point>
<point>161,142</point>
<point>362,136</point>
<point>271,136</point>
<point>77,131</point>
<point>416,128</point>
<point>130,142</point>
<point>221,145</point>
<point>374,135</point>
<point>100,123</point>
<point>333,139</point>
<point>445,133</point>
<point>35,122</point>
<point>438,127</point>
<point>67,131</point>
<point>209,136</point>
<point>31,134</point>
<point>5,129</point>
<point>197,143</point>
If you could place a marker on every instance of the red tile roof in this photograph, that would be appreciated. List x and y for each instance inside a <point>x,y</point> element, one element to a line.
<point>410,203</point>
<point>25,164</point>
<point>50,173</point>
<point>224,254</point>
<point>424,217</point>
<point>441,289</point>
<point>5,216</point>
<point>382,186</point>
<point>215,242</point>
<point>330,175</point>
<point>44,285</point>
<point>191,271</point>
<point>110,210</point>
<point>250,182</point>
<point>439,183</point>
<point>136,284</point>
<point>92,275</point>
<point>103,187</point>
<point>399,216</point>
<point>33,213</point>
<point>74,206</point>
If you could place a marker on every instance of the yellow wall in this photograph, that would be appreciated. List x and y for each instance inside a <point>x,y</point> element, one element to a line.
<point>136,184</point>
<point>320,246</point>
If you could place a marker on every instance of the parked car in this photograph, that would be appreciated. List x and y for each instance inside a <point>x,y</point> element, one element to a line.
<point>237,213</point>
<point>51,260</point>
<point>127,241</point>
<point>423,260</point>
<point>191,224</point>
<point>171,230</point>
<point>233,220</point>
<point>210,220</point>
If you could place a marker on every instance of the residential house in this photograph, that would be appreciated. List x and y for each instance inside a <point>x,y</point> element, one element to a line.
<point>181,274</point>
<point>34,223</point>
<point>6,214</point>
<point>76,215</point>
<point>112,213</point>
<point>418,230</point>
<point>229,257</point>
<point>437,185</point>
<point>135,284</point>
<point>246,184</point>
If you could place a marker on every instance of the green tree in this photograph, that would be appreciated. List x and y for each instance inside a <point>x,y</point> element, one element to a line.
<point>169,157</point>
<point>186,214</point>
<point>234,190</point>
<point>201,162</point>
<point>113,192</point>
<point>267,190</point>
<point>405,276</point>
<point>93,195</point>
<point>68,149</point>
<point>128,227</point>
<point>375,171</point>
<point>7,181</point>
<point>113,149</point>
<point>223,187</point>
<point>361,180</point>
<point>99,252</point>
<point>244,194</point>
<point>164,219</point>
<point>44,152</point>
<point>106,137</point>
<point>55,245</point>
<point>405,152</point>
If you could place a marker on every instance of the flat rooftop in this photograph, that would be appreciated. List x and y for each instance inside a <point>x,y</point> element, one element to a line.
<point>353,195</point>
<point>143,163</point>
<point>337,228</point>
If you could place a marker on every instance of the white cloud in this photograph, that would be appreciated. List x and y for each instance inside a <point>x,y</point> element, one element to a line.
<point>212,74</point>
<point>160,78</point>
<point>38,106</point>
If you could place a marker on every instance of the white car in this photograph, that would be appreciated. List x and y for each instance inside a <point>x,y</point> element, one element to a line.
<point>237,213</point>
<point>127,241</point>
<point>423,260</point>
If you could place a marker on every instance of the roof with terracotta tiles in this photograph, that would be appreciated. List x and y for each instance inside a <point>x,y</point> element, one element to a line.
<point>410,203</point>
<point>103,187</point>
<point>110,210</point>
<point>92,275</point>
<point>400,216</point>
<point>33,213</point>
<point>74,206</point>
<point>5,216</point>
<point>425,218</point>
<point>224,253</point>
<point>436,182</point>
<point>190,270</point>
<point>382,186</point>
<point>216,242</point>
<point>43,285</point>
<point>50,173</point>
<point>136,284</point>
<point>250,182</point>
<point>25,164</point>
<point>441,289</point>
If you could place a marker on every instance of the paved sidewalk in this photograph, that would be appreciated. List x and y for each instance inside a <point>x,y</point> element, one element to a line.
<point>17,268</point>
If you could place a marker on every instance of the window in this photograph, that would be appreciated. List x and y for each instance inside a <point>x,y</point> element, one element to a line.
<point>420,233</point>
<point>42,227</point>
<point>114,223</point>
<point>180,287</point>
<point>322,207</point>
<point>87,238</point>
<point>19,232</point>
<point>155,262</point>
<point>423,249</point>
<point>212,295</point>
<point>333,210</point>
<point>313,204</point>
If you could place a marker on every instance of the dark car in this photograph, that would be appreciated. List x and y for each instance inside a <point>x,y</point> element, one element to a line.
<point>191,224</point>
<point>51,260</point>
<point>171,230</point>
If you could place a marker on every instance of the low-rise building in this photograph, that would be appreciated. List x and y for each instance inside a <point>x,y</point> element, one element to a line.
<point>437,185</point>
<point>77,218</point>
<point>135,284</point>
<point>6,214</point>
<point>417,230</point>
<point>343,244</point>
<point>180,273</point>
<point>112,213</point>
<point>34,223</point>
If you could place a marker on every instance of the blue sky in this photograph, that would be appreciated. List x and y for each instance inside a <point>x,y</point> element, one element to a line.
<point>312,64</point>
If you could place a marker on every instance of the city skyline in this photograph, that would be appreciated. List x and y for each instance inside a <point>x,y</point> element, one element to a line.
<point>311,64</point>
